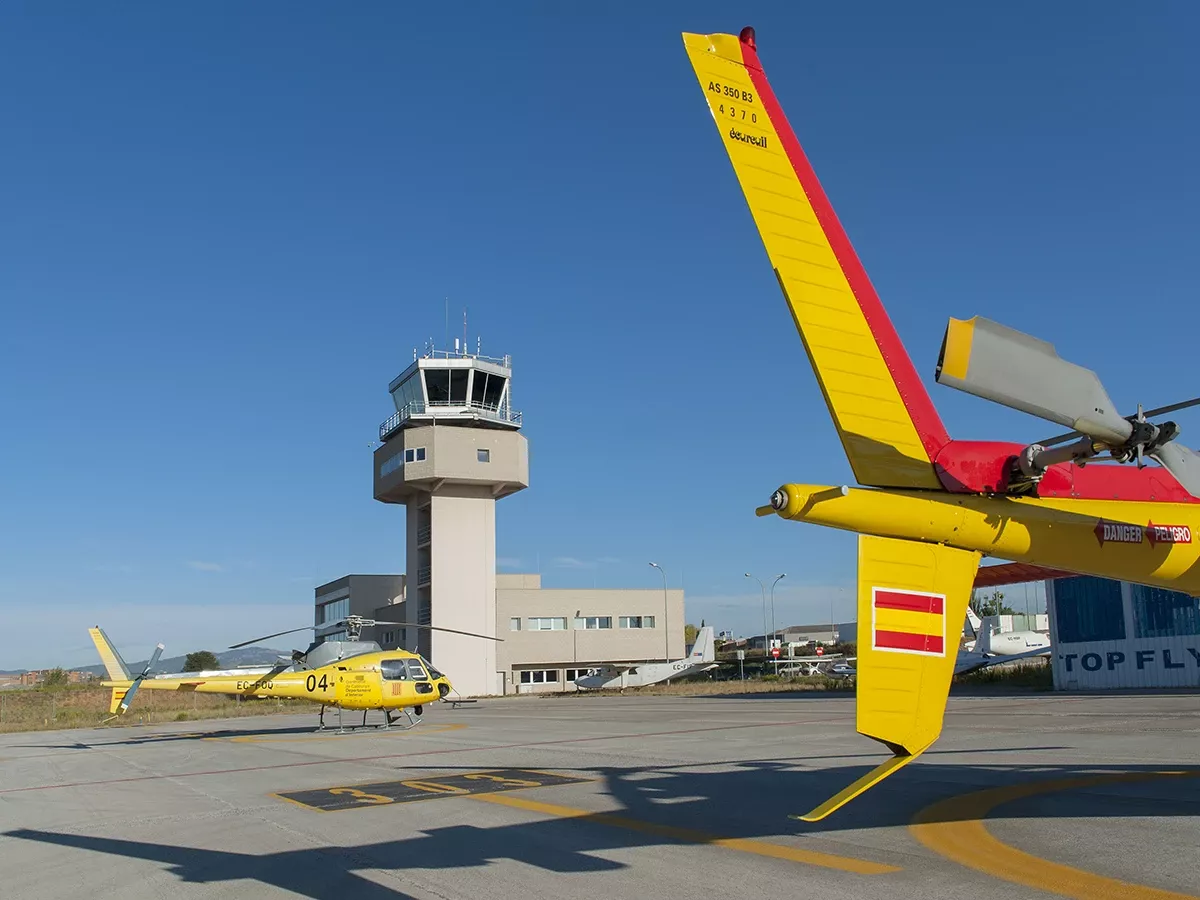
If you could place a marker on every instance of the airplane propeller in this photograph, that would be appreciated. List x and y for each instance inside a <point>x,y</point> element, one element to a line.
<point>137,682</point>
<point>1016,370</point>
<point>353,626</point>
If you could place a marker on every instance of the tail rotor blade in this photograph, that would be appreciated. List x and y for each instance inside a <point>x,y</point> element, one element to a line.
<point>153,661</point>
<point>1163,410</point>
<point>1139,416</point>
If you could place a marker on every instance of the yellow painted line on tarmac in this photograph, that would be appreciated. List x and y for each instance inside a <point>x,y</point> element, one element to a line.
<point>317,736</point>
<point>954,829</point>
<point>688,835</point>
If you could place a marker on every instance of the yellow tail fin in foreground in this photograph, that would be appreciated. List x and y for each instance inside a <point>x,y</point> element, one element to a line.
<point>887,424</point>
<point>912,601</point>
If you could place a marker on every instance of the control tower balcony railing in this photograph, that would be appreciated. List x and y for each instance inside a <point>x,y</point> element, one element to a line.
<point>447,409</point>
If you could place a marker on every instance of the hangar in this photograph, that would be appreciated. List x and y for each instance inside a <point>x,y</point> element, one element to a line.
<point>1113,634</point>
<point>1110,634</point>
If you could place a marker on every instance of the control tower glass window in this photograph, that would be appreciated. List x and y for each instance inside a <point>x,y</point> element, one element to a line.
<point>437,385</point>
<point>493,390</point>
<point>458,386</point>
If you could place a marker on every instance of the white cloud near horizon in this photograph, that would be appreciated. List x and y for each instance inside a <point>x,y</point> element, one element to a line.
<point>201,566</point>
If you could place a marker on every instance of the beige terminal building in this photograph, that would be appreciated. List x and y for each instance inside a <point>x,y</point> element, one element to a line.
<point>452,449</point>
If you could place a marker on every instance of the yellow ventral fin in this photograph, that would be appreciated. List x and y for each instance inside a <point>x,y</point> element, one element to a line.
<point>912,601</point>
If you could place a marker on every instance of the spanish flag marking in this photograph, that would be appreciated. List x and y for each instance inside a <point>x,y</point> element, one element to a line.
<point>908,622</point>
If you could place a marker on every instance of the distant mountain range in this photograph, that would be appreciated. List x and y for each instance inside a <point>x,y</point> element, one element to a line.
<point>243,656</point>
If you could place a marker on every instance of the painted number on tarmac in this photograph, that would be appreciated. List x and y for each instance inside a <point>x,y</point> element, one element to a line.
<point>387,792</point>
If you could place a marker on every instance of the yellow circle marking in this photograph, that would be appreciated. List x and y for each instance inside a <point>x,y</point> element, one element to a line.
<point>954,828</point>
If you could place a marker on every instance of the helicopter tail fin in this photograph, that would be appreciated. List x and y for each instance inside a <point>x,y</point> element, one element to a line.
<point>912,598</point>
<point>114,665</point>
<point>888,426</point>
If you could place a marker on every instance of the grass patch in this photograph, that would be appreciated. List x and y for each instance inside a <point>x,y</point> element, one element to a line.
<point>86,706</point>
<point>1034,675</point>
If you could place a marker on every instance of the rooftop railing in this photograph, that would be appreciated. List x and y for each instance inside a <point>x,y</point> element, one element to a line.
<point>448,407</point>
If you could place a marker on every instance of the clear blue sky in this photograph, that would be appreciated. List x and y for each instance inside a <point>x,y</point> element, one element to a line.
<point>224,228</point>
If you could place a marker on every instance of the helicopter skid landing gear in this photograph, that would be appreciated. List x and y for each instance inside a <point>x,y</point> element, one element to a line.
<point>321,719</point>
<point>412,722</point>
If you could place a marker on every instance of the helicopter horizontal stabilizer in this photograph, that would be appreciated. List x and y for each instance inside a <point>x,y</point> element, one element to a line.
<point>912,599</point>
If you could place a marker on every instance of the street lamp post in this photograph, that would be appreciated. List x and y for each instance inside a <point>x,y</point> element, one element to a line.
<point>773,626</point>
<point>763,588</point>
<point>666,613</point>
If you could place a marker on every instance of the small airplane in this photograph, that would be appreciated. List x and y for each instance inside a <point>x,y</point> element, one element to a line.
<point>930,507</point>
<point>993,647</point>
<point>702,658</point>
<point>351,674</point>
<point>990,640</point>
<point>820,663</point>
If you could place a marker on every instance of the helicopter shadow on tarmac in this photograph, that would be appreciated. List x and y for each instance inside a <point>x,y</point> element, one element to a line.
<point>746,799</point>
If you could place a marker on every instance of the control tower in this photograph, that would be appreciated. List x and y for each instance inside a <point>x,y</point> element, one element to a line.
<point>452,449</point>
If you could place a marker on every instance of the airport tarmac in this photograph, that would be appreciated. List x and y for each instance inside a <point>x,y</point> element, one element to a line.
<point>614,797</point>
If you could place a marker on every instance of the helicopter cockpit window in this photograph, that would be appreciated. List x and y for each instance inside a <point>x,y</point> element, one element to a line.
<point>416,671</point>
<point>394,669</point>
<point>433,673</point>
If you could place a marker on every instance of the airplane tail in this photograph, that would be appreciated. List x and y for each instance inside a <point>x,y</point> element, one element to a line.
<point>912,597</point>
<point>887,424</point>
<point>987,626</point>
<point>704,650</point>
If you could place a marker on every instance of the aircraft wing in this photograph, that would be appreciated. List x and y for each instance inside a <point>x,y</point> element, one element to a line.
<point>618,669</point>
<point>975,664</point>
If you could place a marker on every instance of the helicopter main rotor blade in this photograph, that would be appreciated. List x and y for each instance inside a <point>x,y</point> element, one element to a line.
<point>486,637</point>
<point>267,637</point>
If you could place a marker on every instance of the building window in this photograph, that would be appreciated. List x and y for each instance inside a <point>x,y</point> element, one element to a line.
<point>572,674</point>
<point>1088,609</point>
<point>483,455</point>
<point>1158,612</point>
<point>587,623</point>
<point>548,623</point>
<point>414,454</point>
<point>391,464</point>
<point>333,611</point>
<point>637,621</point>
<point>514,624</point>
<point>539,676</point>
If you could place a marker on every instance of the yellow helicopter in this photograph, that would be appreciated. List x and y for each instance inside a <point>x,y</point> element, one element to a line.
<point>345,674</point>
